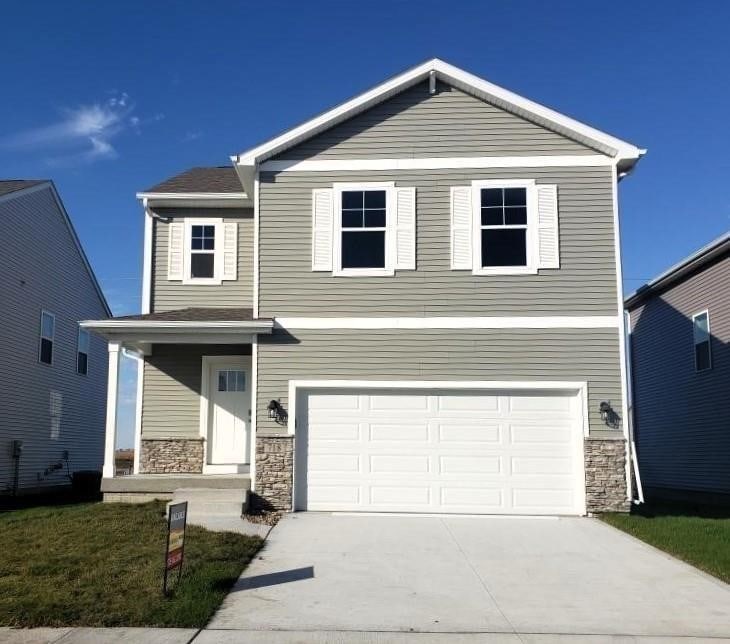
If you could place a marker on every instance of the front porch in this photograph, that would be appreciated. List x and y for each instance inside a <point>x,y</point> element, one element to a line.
<point>195,417</point>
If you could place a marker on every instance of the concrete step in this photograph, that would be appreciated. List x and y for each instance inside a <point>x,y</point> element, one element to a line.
<point>212,502</point>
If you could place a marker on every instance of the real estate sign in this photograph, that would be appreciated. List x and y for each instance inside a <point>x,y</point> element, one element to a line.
<point>176,522</point>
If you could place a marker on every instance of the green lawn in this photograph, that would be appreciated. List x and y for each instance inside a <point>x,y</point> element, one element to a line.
<point>699,536</point>
<point>100,564</point>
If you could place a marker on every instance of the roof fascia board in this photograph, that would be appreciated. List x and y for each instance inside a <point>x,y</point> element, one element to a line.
<point>674,274</point>
<point>461,79</point>
<point>195,199</point>
<point>251,326</point>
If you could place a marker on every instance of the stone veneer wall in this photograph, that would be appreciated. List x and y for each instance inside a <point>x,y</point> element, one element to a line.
<point>605,462</point>
<point>171,456</point>
<point>274,471</point>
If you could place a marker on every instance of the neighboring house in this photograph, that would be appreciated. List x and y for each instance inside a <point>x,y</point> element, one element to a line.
<point>680,368</point>
<point>52,371</point>
<point>411,302</point>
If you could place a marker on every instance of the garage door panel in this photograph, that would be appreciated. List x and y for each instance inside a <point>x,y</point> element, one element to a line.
<point>469,432</point>
<point>466,452</point>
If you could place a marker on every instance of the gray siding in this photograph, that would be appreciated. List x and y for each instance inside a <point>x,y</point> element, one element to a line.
<point>681,415</point>
<point>584,285</point>
<point>41,269</point>
<point>170,295</point>
<point>449,123</point>
<point>486,354</point>
<point>171,395</point>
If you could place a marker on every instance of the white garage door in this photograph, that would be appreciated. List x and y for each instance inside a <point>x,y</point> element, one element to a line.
<point>440,451</point>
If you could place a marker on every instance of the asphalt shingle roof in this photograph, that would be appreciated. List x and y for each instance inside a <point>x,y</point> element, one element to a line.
<point>206,180</point>
<point>232,314</point>
<point>13,185</point>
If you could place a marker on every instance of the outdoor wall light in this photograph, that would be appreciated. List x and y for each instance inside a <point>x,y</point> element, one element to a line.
<point>277,412</point>
<point>608,415</point>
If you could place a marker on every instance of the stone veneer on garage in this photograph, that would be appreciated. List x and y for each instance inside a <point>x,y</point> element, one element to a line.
<point>171,456</point>
<point>605,463</point>
<point>274,471</point>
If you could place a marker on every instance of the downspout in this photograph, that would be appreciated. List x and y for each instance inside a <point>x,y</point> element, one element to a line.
<point>632,416</point>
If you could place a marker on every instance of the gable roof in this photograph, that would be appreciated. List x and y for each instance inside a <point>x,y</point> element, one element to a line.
<point>215,180</point>
<point>13,185</point>
<point>688,266</point>
<point>19,188</point>
<point>626,154</point>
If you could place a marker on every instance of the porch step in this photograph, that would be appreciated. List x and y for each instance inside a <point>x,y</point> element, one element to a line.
<point>212,503</point>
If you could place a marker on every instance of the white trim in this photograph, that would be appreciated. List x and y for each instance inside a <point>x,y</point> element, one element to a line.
<point>254,406</point>
<point>436,163</point>
<point>460,79</point>
<point>217,223</point>
<point>110,435</point>
<point>694,342</point>
<point>206,363</point>
<point>147,260</point>
<point>250,326</point>
<point>256,245</point>
<point>138,413</point>
<point>42,337</point>
<point>530,228</point>
<point>621,326</point>
<point>579,387</point>
<point>388,269</point>
<point>496,322</point>
<point>184,196</point>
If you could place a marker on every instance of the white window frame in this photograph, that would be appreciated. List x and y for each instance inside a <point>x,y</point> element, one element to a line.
<point>217,253</point>
<point>43,337</point>
<point>87,334</point>
<point>709,341</point>
<point>389,268</point>
<point>531,237</point>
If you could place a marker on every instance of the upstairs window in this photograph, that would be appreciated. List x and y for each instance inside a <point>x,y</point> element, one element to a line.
<point>363,228</point>
<point>82,352</point>
<point>701,331</point>
<point>47,334</point>
<point>202,251</point>
<point>503,227</point>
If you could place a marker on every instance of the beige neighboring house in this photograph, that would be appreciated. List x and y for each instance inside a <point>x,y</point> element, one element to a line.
<point>410,303</point>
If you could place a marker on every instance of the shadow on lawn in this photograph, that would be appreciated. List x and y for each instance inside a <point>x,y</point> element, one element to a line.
<point>652,509</point>
<point>64,496</point>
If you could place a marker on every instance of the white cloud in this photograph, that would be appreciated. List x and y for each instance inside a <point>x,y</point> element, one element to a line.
<point>191,136</point>
<point>83,134</point>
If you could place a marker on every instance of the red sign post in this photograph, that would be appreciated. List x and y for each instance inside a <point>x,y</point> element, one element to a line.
<point>176,523</point>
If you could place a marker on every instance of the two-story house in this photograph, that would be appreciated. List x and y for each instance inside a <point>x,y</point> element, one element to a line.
<point>53,372</point>
<point>409,303</point>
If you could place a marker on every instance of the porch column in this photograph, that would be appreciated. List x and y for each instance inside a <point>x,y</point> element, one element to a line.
<point>110,442</point>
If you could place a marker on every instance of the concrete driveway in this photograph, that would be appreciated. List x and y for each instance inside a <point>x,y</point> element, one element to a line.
<point>324,577</point>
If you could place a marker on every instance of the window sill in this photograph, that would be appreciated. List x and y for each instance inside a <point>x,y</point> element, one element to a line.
<point>506,270</point>
<point>364,272</point>
<point>202,282</point>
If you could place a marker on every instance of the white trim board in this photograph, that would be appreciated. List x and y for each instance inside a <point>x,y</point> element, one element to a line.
<point>437,163</point>
<point>497,322</point>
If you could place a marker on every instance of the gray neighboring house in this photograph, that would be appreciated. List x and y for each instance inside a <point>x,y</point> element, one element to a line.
<point>409,303</point>
<point>680,368</point>
<point>52,371</point>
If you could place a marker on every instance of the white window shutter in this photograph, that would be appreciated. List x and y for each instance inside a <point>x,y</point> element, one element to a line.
<point>230,251</point>
<point>547,226</point>
<point>175,250</point>
<point>461,228</point>
<point>405,228</point>
<point>322,223</point>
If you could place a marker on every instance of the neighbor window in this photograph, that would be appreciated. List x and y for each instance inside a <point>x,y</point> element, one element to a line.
<point>202,251</point>
<point>48,330</point>
<point>82,352</point>
<point>701,330</point>
<point>363,229</point>
<point>503,227</point>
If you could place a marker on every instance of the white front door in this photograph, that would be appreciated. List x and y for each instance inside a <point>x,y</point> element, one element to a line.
<point>229,411</point>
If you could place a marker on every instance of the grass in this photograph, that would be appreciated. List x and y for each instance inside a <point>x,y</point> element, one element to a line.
<point>700,536</point>
<point>100,564</point>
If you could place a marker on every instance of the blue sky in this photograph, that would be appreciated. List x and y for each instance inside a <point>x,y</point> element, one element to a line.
<point>110,98</point>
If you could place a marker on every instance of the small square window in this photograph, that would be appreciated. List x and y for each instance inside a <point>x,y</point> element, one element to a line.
<point>231,380</point>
